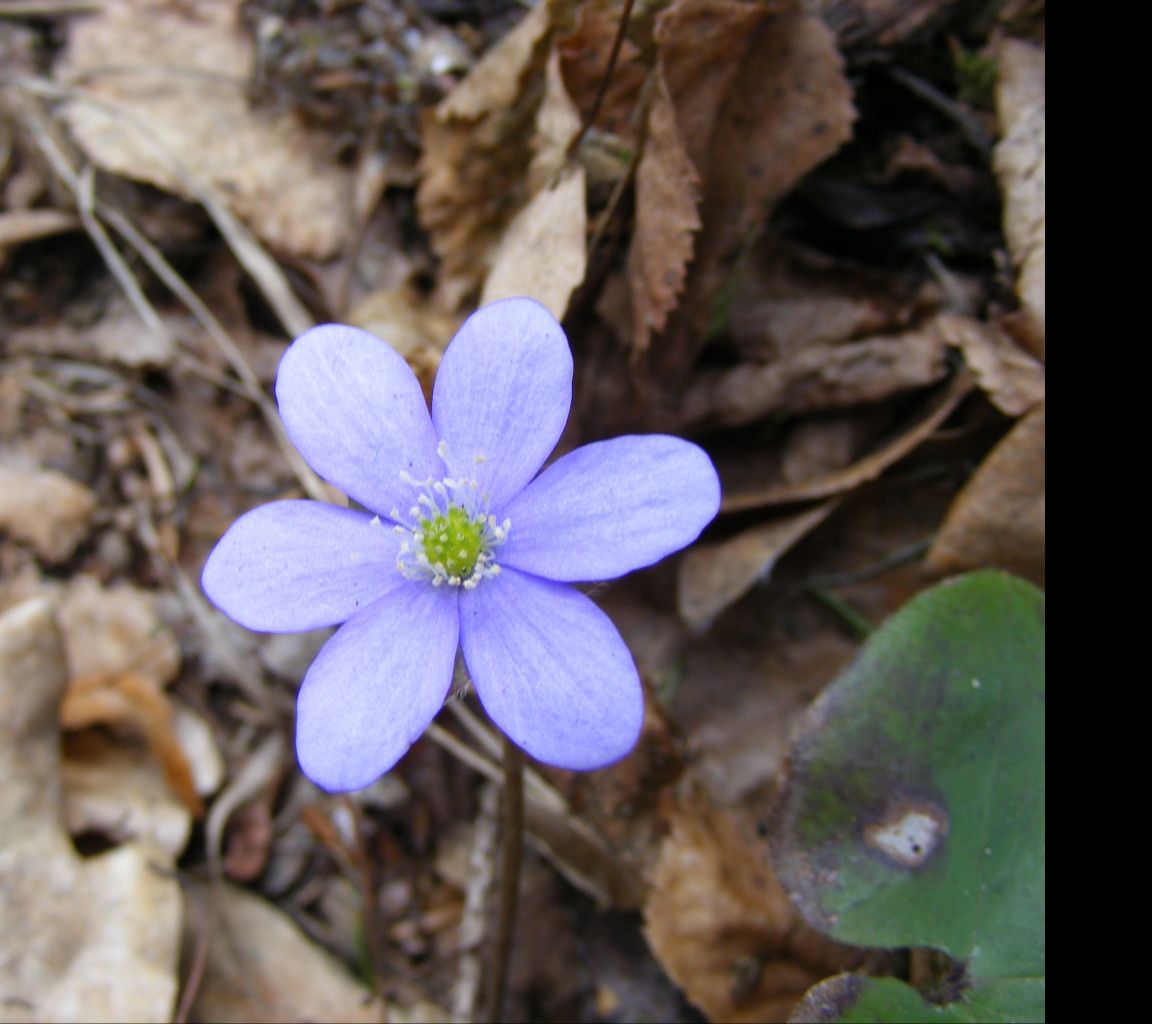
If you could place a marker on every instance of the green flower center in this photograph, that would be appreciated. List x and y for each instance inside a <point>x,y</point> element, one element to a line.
<point>453,539</point>
<point>450,534</point>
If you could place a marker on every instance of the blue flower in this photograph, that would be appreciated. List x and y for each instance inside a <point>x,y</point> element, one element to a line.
<point>469,546</point>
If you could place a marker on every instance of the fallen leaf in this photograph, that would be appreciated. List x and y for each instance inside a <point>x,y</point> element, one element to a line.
<point>778,105</point>
<point>721,925</point>
<point>542,253</point>
<point>160,95</point>
<point>81,939</point>
<point>259,966</point>
<point>667,194</point>
<point>1009,376</point>
<point>584,56</point>
<point>997,520</point>
<point>121,655</point>
<point>116,788</point>
<point>477,146</point>
<point>711,577</point>
<point>1019,162</point>
<point>818,378</point>
<point>45,509</point>
<point>934,411</point>
<point>118,336</point>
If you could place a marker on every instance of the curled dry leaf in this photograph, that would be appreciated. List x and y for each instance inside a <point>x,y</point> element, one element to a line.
<point>722,926</point>
<point>997,520</point>
<point>108,950</point>
<point>1009,376</point>
<point>1020,164</point>
<point>162,97</point>
<point>45,509</point>
<point>121,656</point>
<point>758,114</point>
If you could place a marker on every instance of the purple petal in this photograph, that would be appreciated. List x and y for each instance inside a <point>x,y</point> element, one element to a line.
<point>295,565</point>
<point>551,671</point>
<point>356,412</point>
<point>502,395</point>
<point>376,685</point>
<point>611,507</point>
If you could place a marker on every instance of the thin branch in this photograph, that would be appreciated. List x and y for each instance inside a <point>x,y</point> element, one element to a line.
<point>509,878</point>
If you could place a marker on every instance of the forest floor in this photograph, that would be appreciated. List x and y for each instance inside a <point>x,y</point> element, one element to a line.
<point>807,236</point>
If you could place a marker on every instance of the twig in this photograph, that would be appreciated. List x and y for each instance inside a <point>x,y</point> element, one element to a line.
<point>480,872</point>
<point>199,954</point>
<point>365,876</point>
<point>509,878</point>
<point>592,114</point>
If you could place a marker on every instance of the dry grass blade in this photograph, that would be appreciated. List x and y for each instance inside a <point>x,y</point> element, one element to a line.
<point>89,208</point>
<point>253,257</point>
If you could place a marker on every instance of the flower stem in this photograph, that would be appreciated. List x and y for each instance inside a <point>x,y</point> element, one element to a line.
<point>509,878</point>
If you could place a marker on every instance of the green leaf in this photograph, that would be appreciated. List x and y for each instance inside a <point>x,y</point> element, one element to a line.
<point>912,807</point>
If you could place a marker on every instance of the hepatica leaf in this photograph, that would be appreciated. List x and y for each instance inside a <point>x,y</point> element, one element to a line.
<point>912,807</point>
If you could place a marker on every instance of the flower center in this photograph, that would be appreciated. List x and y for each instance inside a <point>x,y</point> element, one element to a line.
<point>453,539</point>
<point>450,533</point>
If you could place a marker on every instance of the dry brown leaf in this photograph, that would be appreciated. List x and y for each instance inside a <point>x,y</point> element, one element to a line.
<point>667,193</point>
<point>1020,165</point>
<point>1009,376</point>
<point>121,656</point>
<point>778,105</point>
<point>721,925</point>
<point>878,23</point>
<point>261,967</point>
<point>557,122</point>
<point>584,56</point>
<point>477,146</point>
<point>542,252</point>
<point>119,336</point>
<point>80,939</point>
<point>790,298</point>
<point>998,518</point>
<point>164,100</point>
<point>45,509</point>
<point>701,44</point>
<point>117,790</point>
<point>711,577</point>
<point>935,411</point>
<point>818,378</point>
<point>20,226</point>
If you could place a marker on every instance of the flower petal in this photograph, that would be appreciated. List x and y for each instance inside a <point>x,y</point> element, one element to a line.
<point>376,685</point>
<point>295,565</point>
<point>502,395</point>
<point>356,412</point>
<point>551,671</point>
<point>611,507</point>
